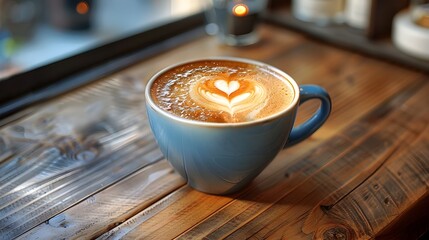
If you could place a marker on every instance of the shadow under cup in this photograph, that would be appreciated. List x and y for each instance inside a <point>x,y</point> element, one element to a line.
<point>222,158</point>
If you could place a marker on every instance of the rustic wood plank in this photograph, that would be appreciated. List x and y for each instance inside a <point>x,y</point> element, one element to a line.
<point>354,82</point>
<point>366,94</point>
<point>267,205</point>
<point>385,196</point>
<point>134,79</point>
<point>143,71</point>
<point>283,218</point>
<point>287,227</point>
<point>69,149</point>
<point>340,228</point>
<point>107,209</point>
<point>405,111</point>
<point>294,205</point>
<point>413,105</point>
<point>301,58</point>
<point>162,216</point>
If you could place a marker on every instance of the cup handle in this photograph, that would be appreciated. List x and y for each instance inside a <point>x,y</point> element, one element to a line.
<point>307,128</point>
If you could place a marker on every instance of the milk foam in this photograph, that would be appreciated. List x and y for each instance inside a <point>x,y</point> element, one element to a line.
<point>221,91</point>
<point>230,95</point>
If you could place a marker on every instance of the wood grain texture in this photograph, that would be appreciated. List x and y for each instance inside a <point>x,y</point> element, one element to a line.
<point>109,208</point>
<point>69,149</point>
<point>363,174</point>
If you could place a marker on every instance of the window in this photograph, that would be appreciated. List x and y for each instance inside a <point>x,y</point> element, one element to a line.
<point>35,33</point>
<point>45,43</point>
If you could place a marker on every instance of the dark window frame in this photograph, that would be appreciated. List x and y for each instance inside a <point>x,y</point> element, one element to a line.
<point>23,89</point>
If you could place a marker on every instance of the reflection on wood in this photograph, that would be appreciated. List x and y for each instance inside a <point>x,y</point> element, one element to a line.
<point>106,209</point>
<point>66,151</point>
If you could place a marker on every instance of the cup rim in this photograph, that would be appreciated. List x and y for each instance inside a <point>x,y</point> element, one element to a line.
<point>286,77</point>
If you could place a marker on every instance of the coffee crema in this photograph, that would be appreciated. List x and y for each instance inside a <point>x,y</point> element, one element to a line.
<point>221,91</point>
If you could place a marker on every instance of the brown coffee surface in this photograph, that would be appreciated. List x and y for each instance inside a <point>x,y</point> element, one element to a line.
<point>221,91</point>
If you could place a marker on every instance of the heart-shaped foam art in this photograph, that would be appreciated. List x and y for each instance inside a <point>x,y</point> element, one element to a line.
<point>229,94</point>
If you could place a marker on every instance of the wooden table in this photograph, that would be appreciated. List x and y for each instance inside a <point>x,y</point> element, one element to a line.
<point>85,164</point>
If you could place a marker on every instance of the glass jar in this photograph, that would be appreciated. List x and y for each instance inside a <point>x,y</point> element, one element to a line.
<point>321,12</point>
<point>357,13</point>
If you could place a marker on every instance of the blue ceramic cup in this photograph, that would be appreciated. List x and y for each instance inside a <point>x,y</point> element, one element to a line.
<point>222,158</point>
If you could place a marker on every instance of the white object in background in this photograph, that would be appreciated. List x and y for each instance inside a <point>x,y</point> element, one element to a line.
<point>318,11</point>
<point>409,37</point>
<point>358,13</point>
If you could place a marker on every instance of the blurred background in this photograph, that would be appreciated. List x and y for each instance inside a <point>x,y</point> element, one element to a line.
<point>34,33</point>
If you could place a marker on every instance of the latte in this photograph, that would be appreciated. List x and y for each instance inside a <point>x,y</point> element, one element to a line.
<point>221,91</point>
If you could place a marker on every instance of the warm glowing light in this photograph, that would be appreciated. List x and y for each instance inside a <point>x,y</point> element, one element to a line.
<point>240,10</point>
<point>82,8</point>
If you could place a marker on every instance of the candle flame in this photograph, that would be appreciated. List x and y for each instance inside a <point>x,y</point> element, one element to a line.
<point>82,8</point>
<point>240,10</point>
